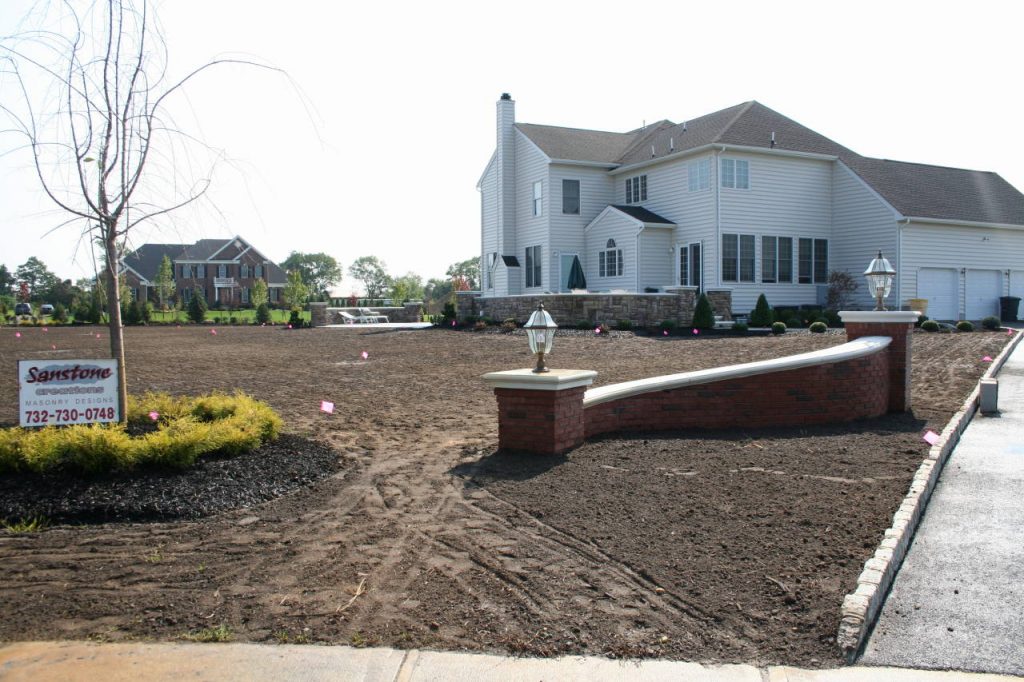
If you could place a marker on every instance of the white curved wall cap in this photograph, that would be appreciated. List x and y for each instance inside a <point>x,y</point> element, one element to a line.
<point>879,316</point>
<point>866,345</point>
<point>554,380</point>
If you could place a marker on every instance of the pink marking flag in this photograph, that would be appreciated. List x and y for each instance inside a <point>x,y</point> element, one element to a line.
<point>289,326</point>
<point>17,335</point>
<point>987,358</point>
<point>1009,332</point>
<point>45,329</point>
<point>364,355</point>
<point>664,332</point>
<point>453,323</point>
<point>696,331</point>
<point>597,330</point>
<point>327,406</point>
<point>154,415</point>
<point>97,336</point>
<point>53,346</point>
<point>930,437</point>
<point>214,332</point>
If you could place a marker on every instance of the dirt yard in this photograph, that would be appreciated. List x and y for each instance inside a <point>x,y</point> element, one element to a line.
<point>704,546</point>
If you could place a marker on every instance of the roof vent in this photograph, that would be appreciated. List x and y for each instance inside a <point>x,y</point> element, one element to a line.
<point>652,151</point>
<point>505,96</point>
<point>671,144</point>
<point>773,139</point>
<point>684,126</point>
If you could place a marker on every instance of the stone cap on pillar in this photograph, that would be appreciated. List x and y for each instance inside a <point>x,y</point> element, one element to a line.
<point>527,379</point>
<point>879,316</point>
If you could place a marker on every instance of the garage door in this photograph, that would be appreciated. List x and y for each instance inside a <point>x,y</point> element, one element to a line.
<point>939,286</point>
<point>984,287</point>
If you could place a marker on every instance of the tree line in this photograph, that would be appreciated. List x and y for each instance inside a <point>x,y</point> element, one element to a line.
<point>311,276</point>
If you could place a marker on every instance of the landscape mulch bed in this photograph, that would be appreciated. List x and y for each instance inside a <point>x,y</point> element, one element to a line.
<point>398,524</point>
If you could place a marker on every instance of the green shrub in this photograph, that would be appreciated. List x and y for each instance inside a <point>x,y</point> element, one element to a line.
<point>602,329</point>
<point>197,306</point>
<point>794,322</point>
<point>448,312</point>
<point>295,319</point>
<point>991,323</point>
<point>130,313</point>
<point>187,428</point>
<point>921,319</point>
<point>479,326</point>
<point>668,325</point>
<point>60,313</point>
<point>930,326</point>
<point>740,328</point>
<point>624,325</point>
<point>964,326</point>
<point>762,313</point>
<point>470,320</point>
<point>703,316</point>
<point>584,324</point>
<point>262,313</point>
<point>778,328</point>
<point>818,327</point>
<point>509,326</point>
<point>833,319</point>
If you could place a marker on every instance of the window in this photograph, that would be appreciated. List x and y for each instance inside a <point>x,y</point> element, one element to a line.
<point>636,189</point>
<point>735,174</point>
<point>245,294</point>
<point>259,272</point>
<point>492,260</point>
<point>533,266</point>
<point>201,271</point>
<point>813,261</point>
<point>186,272</point>
<point>609,261</point>
<point>737,258</point>
<point>699,174</point>
<point>222,271</point>
<point>776,259</point>
<point>571,197</point>
<point>538,197</point>
<point>690,264</point>
<point>186,295</point>
<point>243,270</point>
<point>274,294</point>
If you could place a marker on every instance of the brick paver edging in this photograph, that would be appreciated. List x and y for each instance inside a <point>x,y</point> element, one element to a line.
<point>861,607</point>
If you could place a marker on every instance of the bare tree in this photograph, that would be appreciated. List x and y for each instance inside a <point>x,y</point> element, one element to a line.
<point>93,111</point>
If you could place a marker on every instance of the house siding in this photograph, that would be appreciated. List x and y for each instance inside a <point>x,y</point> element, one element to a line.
<point>928,245</point>
<point>567,234</point>
<point>788,197</point>
<point>489,242</point>
<point>862,224</point>
<point>656,268</point>
<point>530,230</point>
<point>621,228</point>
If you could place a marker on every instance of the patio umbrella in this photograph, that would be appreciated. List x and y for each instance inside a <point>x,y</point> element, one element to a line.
<point>576,278</point>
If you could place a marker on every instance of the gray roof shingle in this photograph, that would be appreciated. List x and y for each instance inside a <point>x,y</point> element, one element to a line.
<point>643,215</point>
<point>916,190</point>
<point>146,259</point>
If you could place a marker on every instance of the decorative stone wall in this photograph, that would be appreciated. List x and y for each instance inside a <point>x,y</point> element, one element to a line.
<point>317,314</point>
<point>643,310</point>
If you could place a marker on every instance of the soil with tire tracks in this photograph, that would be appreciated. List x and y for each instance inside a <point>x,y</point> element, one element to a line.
<point>705,546</point>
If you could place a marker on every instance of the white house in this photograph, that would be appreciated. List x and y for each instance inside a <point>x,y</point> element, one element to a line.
<point>743,199</point>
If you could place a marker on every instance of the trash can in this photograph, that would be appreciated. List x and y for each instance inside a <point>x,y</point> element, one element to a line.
<point>1008,308</point>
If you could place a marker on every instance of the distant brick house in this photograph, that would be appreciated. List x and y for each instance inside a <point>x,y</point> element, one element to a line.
<point>224,270</point>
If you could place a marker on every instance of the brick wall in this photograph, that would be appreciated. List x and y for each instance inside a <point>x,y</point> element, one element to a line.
<point>899,357</point>
<point>821,394</point>
<point>544,422</point>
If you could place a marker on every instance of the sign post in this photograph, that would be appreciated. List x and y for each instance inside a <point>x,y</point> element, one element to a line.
<point>59,392</point>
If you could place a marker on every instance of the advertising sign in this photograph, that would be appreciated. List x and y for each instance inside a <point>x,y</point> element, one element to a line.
<point>57,392</point>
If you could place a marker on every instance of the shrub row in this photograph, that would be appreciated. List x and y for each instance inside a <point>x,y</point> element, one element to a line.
<point>186,429</point>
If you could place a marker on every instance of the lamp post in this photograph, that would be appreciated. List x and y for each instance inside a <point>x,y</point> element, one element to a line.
<point>540,330</point>
<point>880,274</point>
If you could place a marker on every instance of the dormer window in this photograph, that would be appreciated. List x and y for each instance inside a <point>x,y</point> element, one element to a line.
<point>636,189</point>
<point>538,198</point>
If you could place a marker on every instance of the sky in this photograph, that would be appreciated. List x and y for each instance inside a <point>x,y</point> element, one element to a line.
<point>373,139</point>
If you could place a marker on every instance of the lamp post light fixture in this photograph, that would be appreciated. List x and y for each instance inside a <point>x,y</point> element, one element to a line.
<point>880,274</point>
<point>540,330</point>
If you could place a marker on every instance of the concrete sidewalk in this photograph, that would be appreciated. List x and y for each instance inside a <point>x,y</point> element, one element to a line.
<point>958,600</point>
<point>85,662</point>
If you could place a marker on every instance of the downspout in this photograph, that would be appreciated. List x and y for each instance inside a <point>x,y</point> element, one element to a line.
<point>639,259</point>
<point>718,219</point>
<point>899,261</point>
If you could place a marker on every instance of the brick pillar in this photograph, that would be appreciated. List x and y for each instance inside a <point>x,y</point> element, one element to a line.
<point>897,325</point>
<point>540,413</point>
<point>317,314</point>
